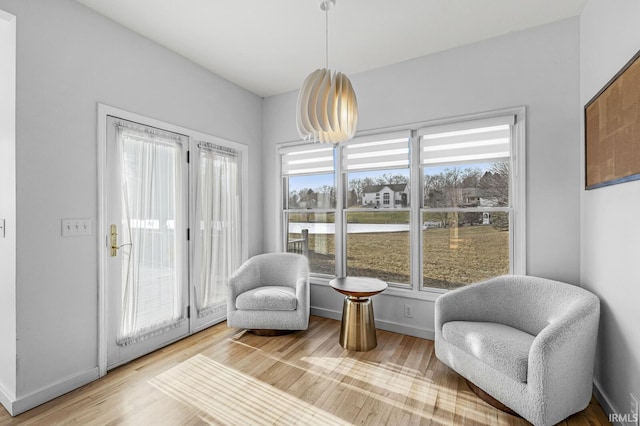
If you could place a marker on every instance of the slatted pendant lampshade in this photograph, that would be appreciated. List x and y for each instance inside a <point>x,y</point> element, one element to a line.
<point>327,107</point>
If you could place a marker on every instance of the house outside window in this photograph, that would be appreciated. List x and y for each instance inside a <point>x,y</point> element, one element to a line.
<point>398,192</point>
<point>462,221</point>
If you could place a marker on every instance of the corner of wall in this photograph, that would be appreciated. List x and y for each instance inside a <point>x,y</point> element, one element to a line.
<point>608,255</point>
<point>8,216</point>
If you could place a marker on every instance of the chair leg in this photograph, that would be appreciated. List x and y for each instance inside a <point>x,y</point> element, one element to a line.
<point>490,400</point>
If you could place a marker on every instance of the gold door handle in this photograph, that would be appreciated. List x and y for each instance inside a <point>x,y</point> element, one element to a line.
<point>114,241</point>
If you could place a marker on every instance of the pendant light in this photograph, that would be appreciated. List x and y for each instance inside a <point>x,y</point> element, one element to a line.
<point>327,109</point>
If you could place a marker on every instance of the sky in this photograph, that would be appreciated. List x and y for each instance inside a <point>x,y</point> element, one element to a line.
<point>317,181</point>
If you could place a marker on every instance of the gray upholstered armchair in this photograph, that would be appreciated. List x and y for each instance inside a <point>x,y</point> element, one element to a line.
<point>528,342</point>
<point>270,292</point>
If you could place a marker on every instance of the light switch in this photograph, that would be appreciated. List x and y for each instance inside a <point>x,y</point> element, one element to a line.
<point>76,227</point>
<point>2,228</point>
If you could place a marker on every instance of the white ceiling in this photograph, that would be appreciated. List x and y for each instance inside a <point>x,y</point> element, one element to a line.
<point>270,46</point>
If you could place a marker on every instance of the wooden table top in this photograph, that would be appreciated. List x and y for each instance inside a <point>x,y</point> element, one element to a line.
<point>358,286</point>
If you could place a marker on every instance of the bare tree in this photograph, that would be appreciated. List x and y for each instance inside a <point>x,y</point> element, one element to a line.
<point>390,179</point>
<point>445,189</point>
<point>495,183</point>
<point>358,185</point>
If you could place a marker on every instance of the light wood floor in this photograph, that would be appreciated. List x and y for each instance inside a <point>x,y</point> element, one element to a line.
<point>223,376</point>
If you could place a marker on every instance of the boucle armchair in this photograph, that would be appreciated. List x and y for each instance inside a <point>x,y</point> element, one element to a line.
<point>528,342</point>
<point>270,292</point>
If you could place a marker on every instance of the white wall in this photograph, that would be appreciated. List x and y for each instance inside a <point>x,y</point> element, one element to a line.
<point>7,206</point>
<point>609,37</point>
<point>537,68</point>
<point>69,59</point>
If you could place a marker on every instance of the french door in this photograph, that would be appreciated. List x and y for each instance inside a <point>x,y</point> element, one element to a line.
<point>216,235</point>
<point>147,217</point>
<point>173,235</point>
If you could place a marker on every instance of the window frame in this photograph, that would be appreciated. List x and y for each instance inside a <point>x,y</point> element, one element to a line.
<point>517,187</point>
<point>394,139</point>
<point>517,191</point>
<point>284,207</point>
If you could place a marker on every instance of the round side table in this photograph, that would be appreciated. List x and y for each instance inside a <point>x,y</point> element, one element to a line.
<point>358,331</point>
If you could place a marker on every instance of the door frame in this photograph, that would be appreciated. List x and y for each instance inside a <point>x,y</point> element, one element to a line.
<point>102,237</point>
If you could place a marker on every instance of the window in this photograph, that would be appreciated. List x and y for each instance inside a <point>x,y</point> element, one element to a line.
<point>309,205</point>
<point>467,207</point>
<point>433,208</point>
<point>377,235</point>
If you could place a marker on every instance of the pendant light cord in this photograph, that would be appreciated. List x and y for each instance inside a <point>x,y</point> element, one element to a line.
<point>326,37</point>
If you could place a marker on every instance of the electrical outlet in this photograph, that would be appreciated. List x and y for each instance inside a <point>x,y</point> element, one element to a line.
<point>408,311</point>
<point>76,227</point>
<point>634,409</point>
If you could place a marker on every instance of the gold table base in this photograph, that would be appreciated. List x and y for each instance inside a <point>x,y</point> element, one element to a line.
<point>358,331</point>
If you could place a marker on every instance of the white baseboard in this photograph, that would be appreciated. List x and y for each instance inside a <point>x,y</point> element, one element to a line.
<point>32,400</point>
<point>5,399</point>
<point>380,324</point>
<point>409,330</point>
<point>605,403</point>
<point>326,313</point>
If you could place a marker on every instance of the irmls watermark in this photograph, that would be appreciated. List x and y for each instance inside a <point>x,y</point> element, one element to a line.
<point>623,418</point>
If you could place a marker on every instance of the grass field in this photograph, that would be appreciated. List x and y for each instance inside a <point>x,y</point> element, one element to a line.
<point>353,217</point>
<point>450,260</point>
<point>477,253</point>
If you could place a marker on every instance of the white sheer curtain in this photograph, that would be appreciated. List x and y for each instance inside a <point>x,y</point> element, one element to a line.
<point>152,224</point>
<point>218,242</point>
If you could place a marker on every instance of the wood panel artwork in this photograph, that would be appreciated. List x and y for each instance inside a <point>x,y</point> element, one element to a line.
<point>612,130</point>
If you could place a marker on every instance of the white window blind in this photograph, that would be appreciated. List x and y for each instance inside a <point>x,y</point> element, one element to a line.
<point>469,142</point>
<point>307,159</point>
<point>381,151</point>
